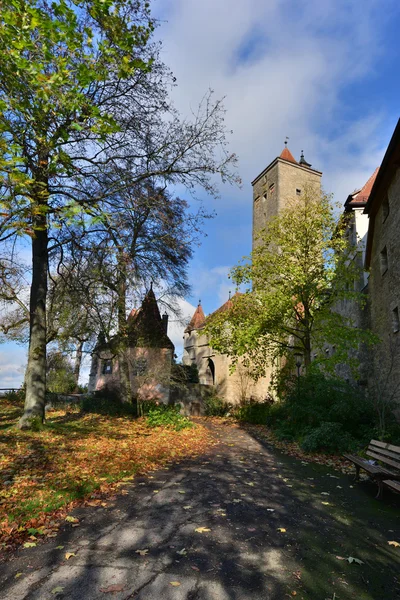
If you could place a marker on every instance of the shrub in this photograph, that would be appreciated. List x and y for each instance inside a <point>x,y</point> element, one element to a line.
<point>214,406</point>
<point>328,437</point>
<point>107,402</point>
<point>15,397</point>
<point>253,412</point>
<point>163,415</point>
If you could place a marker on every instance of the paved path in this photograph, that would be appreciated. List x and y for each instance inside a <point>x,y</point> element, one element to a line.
<point>241,494</point>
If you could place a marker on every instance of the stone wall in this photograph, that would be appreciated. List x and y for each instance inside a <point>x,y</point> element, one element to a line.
<point>277,187</point>
<point>384,296</point>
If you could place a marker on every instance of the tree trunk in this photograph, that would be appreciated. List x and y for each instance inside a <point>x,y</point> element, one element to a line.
<point>35,377</point>
<point>123,362</point>
<point>78,362</point>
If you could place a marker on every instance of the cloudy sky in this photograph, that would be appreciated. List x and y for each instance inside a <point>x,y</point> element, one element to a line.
<point>325,73</point>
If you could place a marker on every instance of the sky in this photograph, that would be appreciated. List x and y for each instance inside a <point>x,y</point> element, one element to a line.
<point>324,73</point>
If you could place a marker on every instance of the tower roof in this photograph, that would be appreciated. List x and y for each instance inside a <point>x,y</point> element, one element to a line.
<point>197,321</point>
<point>145,325</point>
<point>228,304</point>
<point>287,155</point>
<point>360,197</point>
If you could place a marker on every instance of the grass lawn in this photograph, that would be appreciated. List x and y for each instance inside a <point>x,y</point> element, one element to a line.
<point>76,458</point>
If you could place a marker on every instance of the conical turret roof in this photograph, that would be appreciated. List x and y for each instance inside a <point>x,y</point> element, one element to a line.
<point>197,321</point>
<point>287,155</point>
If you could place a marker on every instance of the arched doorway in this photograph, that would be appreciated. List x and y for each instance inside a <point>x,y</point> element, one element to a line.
<point>209,378</point>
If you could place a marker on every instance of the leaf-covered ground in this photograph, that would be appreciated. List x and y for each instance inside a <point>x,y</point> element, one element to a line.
<point>75,459</point>
<point>242,522</point>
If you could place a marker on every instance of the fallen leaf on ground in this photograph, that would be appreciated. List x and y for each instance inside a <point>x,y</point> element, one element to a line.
<point>71,519</point>
<point>326,503</point>
<point>187,507</point>
<point>351,559</point>
<point>112,588</point>
<point>395,544</point>
<point>18,575</point>
<point>29,544</point>
<point>142,552</point>
<point>194,568</point>
<point>202,529</point>
<point>281,530</point>
<point>325,494</point>
<point>57,590</point>
<point>59,547</point>
<point>68,555</point>
<point>175,583</point>
<point>182,552</point>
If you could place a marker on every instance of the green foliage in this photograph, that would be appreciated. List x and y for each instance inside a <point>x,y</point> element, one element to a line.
<point>214,406</point>
<point>253,412</point>
<point>60,377</point>
<point>317,405</point>
<point>296,275</point>
<point>182,374</point>
<point>163,415</point>
<point>328,437</point>
<point>15,397</point>
<point>107,402</point>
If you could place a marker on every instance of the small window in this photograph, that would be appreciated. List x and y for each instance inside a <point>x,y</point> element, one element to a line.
<point>385,209</point>
<point>384,260</point>
<point>139,367</point>
<point>298,191</point>
<point>395,319</point>
<point>271,189</point>
<point>107,367</point>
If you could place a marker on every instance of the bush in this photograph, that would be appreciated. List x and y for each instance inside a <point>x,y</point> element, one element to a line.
<point>214,406</point>
<point>328,437</point>
<point>107,402</point>
<point>15,397</point>
<point>253,412</point>
<point>164,415</point>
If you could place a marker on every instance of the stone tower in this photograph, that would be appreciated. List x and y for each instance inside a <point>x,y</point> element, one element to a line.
<point>281,182</point>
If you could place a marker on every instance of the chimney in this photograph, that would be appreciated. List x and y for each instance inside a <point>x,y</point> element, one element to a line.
<point>165,322</point>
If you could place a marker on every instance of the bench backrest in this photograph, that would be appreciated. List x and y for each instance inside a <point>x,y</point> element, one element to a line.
<point>386,453</point>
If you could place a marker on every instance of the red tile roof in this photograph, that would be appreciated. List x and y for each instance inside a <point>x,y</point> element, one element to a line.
<point>228,304</point>
<point>287,155</point>
<point>360,197</point>
<point>197,321</point>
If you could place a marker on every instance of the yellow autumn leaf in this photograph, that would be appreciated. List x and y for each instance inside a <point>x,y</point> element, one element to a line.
<point>326,503</point>
<point>71,519</point>
<point>18,575</point>
<point>57,590</point>
<point>281,530</point>
<point>175,583</point>
<point>202,529</point>
<point>393,543</point>
<point>142,552</point>
<point>68,555</point>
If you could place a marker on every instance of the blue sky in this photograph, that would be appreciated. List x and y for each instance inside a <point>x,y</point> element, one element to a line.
<point>323,72</point>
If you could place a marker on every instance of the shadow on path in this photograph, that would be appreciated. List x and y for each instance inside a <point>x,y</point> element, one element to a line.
<point>271,527</point>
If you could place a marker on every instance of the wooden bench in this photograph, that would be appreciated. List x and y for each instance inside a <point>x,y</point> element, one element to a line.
<point>388,456</point>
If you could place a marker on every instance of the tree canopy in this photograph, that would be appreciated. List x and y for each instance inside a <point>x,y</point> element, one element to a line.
<point>300,270</point>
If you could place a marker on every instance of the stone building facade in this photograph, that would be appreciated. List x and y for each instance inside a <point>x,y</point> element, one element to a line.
<point>214,368</point>
<point>150,353</point>
<point>280,183</point>
<point>383,263</point>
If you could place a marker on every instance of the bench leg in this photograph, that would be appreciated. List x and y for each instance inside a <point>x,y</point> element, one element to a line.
<point>380,490</point>
<point>357,475</point>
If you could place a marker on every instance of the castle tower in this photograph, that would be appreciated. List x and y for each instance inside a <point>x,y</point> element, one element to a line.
<point>281,182</point>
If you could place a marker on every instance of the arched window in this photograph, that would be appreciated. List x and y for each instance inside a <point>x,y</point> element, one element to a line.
<point>210,373</point>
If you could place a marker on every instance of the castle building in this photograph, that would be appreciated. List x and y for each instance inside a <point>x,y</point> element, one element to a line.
<point>383,263</point>
<point>281,182</point>
<point>149,355</point>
